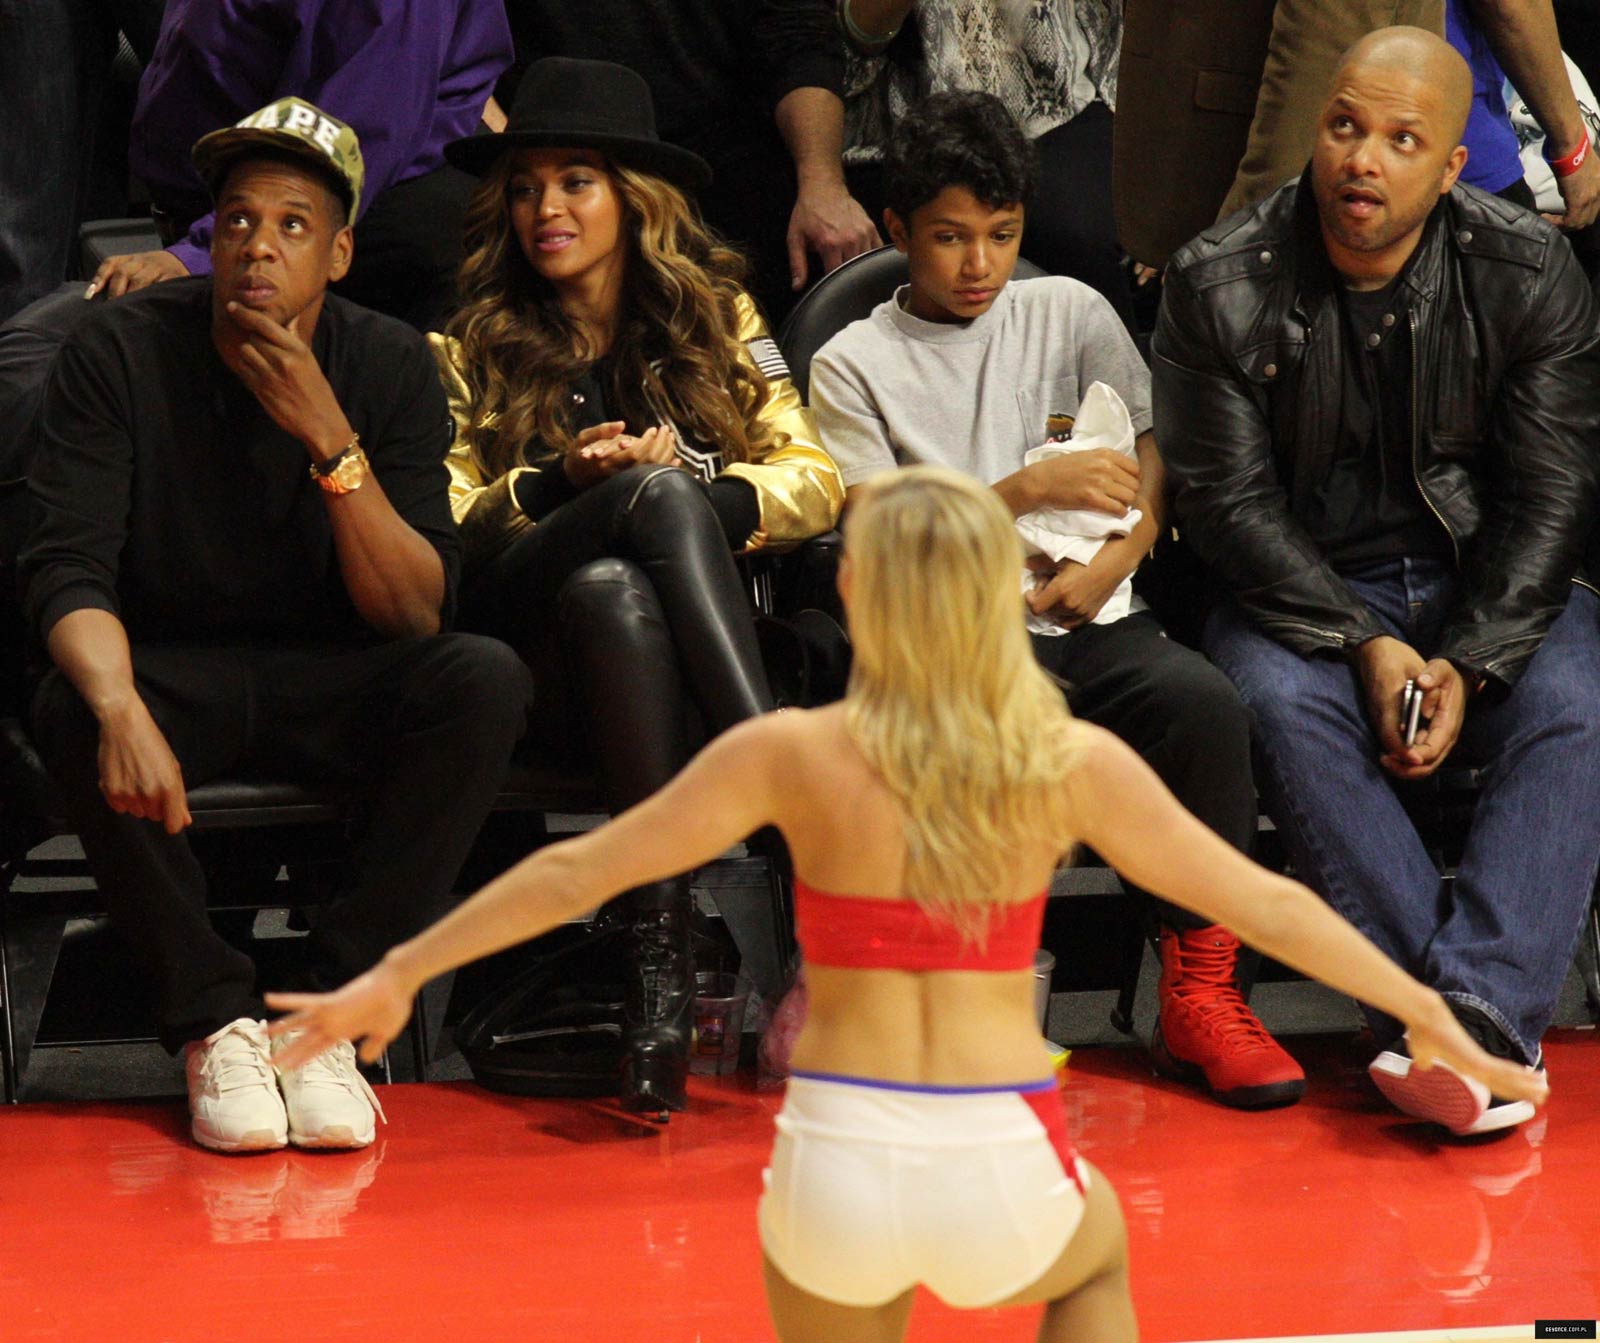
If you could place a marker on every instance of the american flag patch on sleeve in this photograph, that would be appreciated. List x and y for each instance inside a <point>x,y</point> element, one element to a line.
<point>769,359</point>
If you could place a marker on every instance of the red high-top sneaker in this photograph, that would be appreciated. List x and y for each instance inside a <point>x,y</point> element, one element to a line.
<point>1205,1031</point>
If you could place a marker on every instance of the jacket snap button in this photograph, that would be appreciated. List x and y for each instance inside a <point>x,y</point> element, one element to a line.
<point>1388,319</point>
<point>1266,258</point>
<point>1271,370</point>
<point>1373,340</point>
<point>1464,237</point>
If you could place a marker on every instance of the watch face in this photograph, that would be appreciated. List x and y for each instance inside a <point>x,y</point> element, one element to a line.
<point>350,472</point>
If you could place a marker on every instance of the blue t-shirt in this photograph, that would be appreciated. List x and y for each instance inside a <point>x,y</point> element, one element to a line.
<point>1492,161</point>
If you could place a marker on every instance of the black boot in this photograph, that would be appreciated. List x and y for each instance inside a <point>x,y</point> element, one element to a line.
<point>658,997</point>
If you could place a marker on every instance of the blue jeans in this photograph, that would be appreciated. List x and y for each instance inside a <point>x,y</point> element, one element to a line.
<point>1502,935</point>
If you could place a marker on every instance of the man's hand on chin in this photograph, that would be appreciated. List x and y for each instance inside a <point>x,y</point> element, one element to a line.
<point>283,374</point>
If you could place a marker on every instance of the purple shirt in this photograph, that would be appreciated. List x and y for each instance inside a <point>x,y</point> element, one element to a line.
<point>406,75</point>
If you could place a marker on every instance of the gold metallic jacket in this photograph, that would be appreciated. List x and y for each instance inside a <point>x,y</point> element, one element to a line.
<point>799,489</point>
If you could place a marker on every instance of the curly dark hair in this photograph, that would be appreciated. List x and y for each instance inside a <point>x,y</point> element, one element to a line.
<point>957,139</point>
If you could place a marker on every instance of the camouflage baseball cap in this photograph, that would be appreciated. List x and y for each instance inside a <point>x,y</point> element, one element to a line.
<point>290,126</point>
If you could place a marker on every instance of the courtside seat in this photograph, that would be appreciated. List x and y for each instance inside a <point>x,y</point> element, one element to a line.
<point>30,814</point>
<point>102,238</point>
<point>1441,809</point>
<point>29,817</point>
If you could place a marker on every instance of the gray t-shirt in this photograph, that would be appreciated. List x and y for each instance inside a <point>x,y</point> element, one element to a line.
<point>893,390</point>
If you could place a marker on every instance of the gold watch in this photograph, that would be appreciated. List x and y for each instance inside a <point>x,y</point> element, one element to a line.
<point>343,473</point>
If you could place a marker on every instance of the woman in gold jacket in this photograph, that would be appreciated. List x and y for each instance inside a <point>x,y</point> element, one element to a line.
<point>623,426</point>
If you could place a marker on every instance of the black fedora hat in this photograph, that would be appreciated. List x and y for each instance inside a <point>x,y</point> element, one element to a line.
<point>564,103</point>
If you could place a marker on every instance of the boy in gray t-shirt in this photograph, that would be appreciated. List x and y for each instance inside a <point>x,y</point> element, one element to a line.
<point>967,370</point>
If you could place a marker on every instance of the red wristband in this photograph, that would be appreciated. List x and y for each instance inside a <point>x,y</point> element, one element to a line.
<point>1565,167</point>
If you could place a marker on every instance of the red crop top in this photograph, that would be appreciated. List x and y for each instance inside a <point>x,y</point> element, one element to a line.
<point>856,932</point>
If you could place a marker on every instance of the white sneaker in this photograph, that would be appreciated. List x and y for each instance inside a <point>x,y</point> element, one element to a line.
<point>1441,1094</point>
<point>234,1105</point>
<point>329,1101</point>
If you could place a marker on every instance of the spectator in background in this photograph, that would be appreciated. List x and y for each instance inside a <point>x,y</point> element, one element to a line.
<point>1378,394</point>
<point>1220,104</point>
<point>603,340</point>
<point>55,66</point>
<point>242,559</point>
<point>1500,39</point>
<point>407,75</point>
<point>1054,67</point>
<point>963,368</point>
<point>753,89</point>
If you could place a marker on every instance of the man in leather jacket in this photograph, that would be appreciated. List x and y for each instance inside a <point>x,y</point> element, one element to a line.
<point>1378,398</point>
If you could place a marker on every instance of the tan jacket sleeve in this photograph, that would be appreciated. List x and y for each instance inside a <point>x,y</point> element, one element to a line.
<point>486,513</point>
<point>1308,38</point>
<point>798,487</point>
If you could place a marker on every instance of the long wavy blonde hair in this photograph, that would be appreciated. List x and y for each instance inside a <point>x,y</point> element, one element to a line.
<point>946,700</point>
<point>676,352</point>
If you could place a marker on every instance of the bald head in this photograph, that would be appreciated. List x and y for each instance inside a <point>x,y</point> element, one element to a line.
<point>1388,147</point>
<point>1418,55</point>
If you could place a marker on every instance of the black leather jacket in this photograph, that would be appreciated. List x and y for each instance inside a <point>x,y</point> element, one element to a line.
<point>1505,407</point>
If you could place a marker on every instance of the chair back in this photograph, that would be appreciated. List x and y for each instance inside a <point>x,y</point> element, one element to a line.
<point>846,295</point>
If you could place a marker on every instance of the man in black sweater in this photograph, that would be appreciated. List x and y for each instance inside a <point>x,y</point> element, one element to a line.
<point>241,561</point>
<point>753,88</point>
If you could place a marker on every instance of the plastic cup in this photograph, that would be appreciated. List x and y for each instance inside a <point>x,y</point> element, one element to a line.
<point>1044,966</point>
<point>718,1023</point>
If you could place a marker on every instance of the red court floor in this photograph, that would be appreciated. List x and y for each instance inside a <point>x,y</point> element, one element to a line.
<point>480,1217</point>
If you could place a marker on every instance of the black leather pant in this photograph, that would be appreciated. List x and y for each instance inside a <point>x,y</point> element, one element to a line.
<point>627,605</point>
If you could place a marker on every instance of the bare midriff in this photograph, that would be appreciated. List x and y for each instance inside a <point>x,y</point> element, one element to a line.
<point>928,1028</point>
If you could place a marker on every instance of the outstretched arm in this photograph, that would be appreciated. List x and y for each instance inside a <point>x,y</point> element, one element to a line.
<point>724,794</point>
<point>1126,815</point>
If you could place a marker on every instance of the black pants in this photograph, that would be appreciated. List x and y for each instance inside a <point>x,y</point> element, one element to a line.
<point>422,729</point>
<point>1175,709</point>
<point>627,604</point>
<point>749,201</point>
<point>408,249</point>
<point>1070,228</point>
<point>64,154</point>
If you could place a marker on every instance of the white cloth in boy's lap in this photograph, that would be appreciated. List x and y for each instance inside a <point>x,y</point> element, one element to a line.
<point>893,390</point>
<point>1077,534</point>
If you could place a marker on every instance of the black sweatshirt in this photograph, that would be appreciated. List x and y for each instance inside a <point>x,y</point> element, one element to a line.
<point>713,66</point>
<point>163,493</point>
